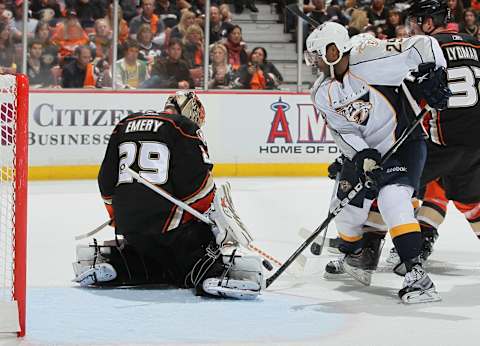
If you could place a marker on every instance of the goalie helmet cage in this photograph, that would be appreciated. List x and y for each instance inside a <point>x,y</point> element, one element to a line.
<point>13,201</point>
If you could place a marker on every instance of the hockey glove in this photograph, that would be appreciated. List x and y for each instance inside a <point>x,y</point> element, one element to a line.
<point>335,167</point>
<point>432,82</point>
<point>368,169</point>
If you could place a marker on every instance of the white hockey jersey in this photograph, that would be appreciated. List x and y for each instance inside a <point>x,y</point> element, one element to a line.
<point>366,109</point>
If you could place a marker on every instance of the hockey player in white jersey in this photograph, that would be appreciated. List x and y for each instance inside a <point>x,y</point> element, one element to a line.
<point>364,101</point>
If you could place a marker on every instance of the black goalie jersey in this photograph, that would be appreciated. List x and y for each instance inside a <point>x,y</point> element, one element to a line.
<point>460,123</point>
<point>169,151</point>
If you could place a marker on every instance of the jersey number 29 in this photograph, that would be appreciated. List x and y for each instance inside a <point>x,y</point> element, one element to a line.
<point>153,159</point>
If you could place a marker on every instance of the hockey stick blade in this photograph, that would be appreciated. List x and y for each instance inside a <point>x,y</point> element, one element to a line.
<point>294,9</point>
<point>96,230</point>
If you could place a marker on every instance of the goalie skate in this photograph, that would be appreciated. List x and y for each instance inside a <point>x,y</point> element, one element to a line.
<point>418,288</point>
<point>231,288</point>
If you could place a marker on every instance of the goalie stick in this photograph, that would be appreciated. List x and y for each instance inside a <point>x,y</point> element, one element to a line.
<point>202,217</point>
<point>294,9</point>
<point>351,195</point>
<point>95,231</point>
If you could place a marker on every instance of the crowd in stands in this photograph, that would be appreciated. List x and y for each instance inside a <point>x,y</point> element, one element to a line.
<point>161,43</point>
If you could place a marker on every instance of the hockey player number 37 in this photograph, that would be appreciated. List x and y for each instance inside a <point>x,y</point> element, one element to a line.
<point>153,160</point>
<point>463,84</point>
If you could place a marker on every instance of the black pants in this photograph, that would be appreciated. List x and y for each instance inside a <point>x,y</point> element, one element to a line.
<point>160,258</point>
<point>459,171</point>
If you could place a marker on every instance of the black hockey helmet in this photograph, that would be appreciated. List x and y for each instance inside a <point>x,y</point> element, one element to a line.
<point>436,9</point>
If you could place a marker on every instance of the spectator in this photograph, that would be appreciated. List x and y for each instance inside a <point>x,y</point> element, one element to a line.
<point>456,10</point>
<point>39,74</point>
<point>6,16</point>
<point>394,19</point>
<point>193,49</point>
<point>129,9</point>
<point>7,50</point>
<point>401,31</point>
<point>49,50</point>
<point>193,46</point>
<point>237,55</point>
<point>187,19</point>
<point>148,50</point>
<point>377,13</point>
<point>218,28</point>
<point>79,73</point>
<point>359,20</point>
<point>38,7</point>
<point>350,5</point>
<point>68,35</point>
<point>225,13</point>
<point>469,24</point>
<point>147,17</point>
<point>87,10</point>
<point>131,72</point>
<point>31,23</point>
<point>122,23</point>
<point>168,12</point>
<point>259,73</point>
<point>101,40</point>
<point>172,71</point>
<point>220,73</point>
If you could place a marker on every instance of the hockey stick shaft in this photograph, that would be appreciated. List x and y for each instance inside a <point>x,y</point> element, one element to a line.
<point>95,231</point>
<point>192,211</point>
<point>351,195</point>
<point>294,9</point>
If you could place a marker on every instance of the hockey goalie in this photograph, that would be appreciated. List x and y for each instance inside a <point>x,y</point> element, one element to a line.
<point>161,242</point>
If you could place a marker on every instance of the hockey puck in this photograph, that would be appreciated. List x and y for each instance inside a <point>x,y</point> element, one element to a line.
<point>316,249</point>
<point>268,266</point>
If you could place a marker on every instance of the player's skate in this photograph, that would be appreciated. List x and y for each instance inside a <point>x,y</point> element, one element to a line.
<point>361,265</point>
<point>417,287</point>
<point>334,269</point>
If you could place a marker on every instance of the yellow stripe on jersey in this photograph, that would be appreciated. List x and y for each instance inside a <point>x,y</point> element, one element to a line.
<point>404,229</point>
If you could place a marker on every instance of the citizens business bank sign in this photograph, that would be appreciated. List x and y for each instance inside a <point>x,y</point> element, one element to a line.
<point>69,128</point>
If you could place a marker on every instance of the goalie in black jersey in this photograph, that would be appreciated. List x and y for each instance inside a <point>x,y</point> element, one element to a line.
<point>162,243</point>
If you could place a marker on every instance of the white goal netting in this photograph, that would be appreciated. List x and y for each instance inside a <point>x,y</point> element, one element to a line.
<point>8,147</point>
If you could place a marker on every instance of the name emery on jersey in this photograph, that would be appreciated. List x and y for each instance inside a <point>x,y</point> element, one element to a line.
<point>143,125</point>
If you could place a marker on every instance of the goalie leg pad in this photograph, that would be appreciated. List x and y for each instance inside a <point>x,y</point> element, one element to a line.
<point>102,272</point>
<point>231,288</point>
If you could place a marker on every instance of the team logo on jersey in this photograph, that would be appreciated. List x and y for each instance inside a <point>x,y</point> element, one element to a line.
<point>356,111</point>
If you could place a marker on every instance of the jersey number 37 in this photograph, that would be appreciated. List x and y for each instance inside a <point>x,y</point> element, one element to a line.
<point>462,81</point>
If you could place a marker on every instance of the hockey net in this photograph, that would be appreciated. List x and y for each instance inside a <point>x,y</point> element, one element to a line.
<point>13,201</point>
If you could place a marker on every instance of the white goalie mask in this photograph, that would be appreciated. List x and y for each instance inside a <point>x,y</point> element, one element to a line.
<point>320,38</point>
<point>189,105</point>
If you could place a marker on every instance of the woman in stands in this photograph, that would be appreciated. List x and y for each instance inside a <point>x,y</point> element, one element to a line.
<point>122,23</point>
<point>237,55</point>
<point>259,73</point>
<point>187,19</point>
<point>50,51</point>
<point>220,73</point>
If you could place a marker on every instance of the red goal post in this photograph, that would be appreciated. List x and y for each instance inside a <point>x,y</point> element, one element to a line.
<point>13,201</point>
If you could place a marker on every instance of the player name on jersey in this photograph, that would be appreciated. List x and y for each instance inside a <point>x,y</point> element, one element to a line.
<point>143,125</point>
<point>461,52</point>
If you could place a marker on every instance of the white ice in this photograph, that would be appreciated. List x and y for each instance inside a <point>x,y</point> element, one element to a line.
<point>304,310</point>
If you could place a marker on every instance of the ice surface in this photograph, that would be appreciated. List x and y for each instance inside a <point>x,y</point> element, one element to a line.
<point>305,310</point>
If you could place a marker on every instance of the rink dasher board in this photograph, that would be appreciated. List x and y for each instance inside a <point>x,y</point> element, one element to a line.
<point>268,133</point>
